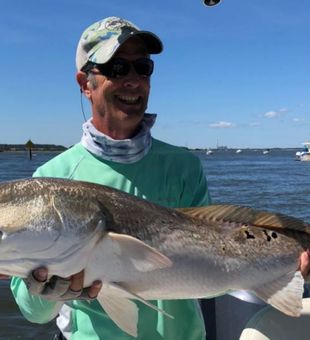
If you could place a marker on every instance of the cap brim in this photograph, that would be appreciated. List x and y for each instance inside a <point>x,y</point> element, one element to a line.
<point>151,40</point>
<point>152,43</point>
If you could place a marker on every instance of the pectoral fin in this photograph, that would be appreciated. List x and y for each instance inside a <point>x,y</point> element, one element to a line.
<point>143,257</point>
<point>114,299</point>
<point>285,293</point>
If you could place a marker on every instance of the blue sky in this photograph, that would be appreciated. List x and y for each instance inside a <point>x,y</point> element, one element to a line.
<point>237,74</point>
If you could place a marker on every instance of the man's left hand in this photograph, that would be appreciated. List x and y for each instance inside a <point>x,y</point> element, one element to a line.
<point>304,265</point>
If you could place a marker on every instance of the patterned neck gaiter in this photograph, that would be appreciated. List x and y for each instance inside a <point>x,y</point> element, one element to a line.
<point>123,150</point>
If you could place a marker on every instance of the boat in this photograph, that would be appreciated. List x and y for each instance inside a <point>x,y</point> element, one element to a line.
<point>221,147</point>
<point>209,152</point>
<point>266,152</point>
<point>238,151</point>
<point>304,155</point>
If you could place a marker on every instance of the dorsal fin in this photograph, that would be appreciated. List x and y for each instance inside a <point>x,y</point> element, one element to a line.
<point>246,215</point>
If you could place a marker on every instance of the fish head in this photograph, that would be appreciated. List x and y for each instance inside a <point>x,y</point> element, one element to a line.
<point>41,219</point>
<point>26,231</point>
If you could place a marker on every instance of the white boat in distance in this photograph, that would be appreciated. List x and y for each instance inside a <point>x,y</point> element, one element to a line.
<point>304,155</point>
<point>266,152</point>
<point>209,152</point>
<point>238,151</point>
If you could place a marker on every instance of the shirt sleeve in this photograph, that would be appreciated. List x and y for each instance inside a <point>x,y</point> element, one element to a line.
<point>33,308</point>
<point>195,189</point>
<point>38,173</point>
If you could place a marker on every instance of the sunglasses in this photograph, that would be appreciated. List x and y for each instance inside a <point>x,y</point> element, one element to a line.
<point>119,67</point>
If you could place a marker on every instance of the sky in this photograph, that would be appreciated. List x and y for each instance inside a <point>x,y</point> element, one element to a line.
<point>237,74</point>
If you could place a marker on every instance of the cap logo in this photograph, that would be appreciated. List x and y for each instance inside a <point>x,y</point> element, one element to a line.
<point>116,23</point>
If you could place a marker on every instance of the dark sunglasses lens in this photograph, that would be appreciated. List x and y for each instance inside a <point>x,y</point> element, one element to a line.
<point>114,68</point>
<point>144,67</point>
<point>119,68</point>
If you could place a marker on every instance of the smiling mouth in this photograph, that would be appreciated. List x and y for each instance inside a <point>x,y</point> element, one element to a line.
<point>129,100</point>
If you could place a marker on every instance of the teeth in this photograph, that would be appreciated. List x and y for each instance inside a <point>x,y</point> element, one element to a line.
<point>129,99</point>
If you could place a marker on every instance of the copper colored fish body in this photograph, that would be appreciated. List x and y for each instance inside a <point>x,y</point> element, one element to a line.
<point>144,251</point>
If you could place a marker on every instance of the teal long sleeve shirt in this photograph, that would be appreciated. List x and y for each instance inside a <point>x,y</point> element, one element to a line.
<point>167,175</point>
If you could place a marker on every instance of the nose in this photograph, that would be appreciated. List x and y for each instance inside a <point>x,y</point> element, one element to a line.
<point>132,79</point>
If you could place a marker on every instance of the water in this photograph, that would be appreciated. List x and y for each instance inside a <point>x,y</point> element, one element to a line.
<point>12,324</point>
<point>18,165</point>
<point>275,182</point>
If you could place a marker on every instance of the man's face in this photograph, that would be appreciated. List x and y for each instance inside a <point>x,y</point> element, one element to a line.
<point>119,104</point>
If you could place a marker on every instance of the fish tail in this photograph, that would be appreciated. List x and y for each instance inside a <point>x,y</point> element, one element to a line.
<point>284,293</point>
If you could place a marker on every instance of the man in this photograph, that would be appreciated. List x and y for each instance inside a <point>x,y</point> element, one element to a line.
<point>114,69</point>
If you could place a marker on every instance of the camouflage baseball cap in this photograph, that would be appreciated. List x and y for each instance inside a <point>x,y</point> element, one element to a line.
<point>101,40</point>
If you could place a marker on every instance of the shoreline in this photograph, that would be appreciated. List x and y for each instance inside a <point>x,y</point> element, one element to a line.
<point>33,151</point>
<point>33,147</point>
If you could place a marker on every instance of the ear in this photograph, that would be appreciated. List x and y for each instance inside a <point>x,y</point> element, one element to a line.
<point>81,78</point>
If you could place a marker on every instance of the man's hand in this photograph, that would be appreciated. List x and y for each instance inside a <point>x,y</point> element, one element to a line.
<point>304,265</point>
<point>61,289</point>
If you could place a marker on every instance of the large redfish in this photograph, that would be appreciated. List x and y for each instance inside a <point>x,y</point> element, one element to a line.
<point>144,251</point>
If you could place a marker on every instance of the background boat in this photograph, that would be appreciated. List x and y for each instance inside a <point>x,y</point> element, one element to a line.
<point>304,155</point>
<point>266,152</point>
